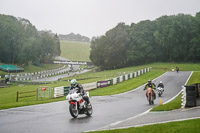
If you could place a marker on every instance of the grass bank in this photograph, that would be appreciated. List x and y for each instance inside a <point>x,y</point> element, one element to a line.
<point>75,51</point>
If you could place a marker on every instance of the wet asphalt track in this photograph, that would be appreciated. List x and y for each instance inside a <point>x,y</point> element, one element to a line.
<point>55,117</point>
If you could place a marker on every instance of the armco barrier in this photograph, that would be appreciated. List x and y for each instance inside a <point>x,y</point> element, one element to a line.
<point>120,78</point>
<point>114,81</point>
<point>111,82</point>
<point>101,84</point>
<point>59,91</point>
<point>90,86</point>
<point>66,90</point>
<point>126,77</point>
<point>135,74</point>
<point>63,91</point>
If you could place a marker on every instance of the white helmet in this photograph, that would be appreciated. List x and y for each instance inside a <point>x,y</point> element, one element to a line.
<point>73,82</point>
<point>161,82</point>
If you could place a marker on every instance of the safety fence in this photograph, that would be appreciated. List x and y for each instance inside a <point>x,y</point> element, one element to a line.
<point>63,91</point>
<point>38,75</point>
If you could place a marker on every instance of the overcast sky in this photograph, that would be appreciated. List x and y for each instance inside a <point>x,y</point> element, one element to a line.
<point>93,17</point>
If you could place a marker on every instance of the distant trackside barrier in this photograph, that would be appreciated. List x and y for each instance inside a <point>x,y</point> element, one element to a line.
<point>62,91</point>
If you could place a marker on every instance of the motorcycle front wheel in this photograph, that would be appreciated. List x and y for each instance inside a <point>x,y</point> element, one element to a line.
<point>73,111</point>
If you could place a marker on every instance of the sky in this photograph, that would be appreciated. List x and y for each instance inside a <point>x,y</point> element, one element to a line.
<point>93,17</point>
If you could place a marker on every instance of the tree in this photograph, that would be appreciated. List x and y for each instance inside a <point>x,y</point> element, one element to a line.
<point>21,43</point>
<point>194,50</point>
<point>173,34</point>
<point>142,47</point>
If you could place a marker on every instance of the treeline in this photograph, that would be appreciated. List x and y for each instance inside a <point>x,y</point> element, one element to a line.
<point>74,37</point>
<point>173,38</point>
<point>21,43</point>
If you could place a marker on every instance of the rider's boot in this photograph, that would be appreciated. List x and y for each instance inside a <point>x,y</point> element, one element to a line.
<point>87,99</point>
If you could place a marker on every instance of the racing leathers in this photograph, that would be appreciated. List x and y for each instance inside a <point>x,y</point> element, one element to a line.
<point>81,91</point>
<point>151,85</point>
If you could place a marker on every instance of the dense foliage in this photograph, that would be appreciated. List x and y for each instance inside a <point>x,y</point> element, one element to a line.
<point>74,37</point>
<point>173,38</point>
<point>21,43</point>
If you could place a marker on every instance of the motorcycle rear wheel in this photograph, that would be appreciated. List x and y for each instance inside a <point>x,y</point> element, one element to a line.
<point>73,111</point>
<point>149,101</point>
<point>89,110</point>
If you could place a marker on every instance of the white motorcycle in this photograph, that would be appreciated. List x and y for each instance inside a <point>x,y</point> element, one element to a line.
<point>160,91</point>
<point>77,104</point>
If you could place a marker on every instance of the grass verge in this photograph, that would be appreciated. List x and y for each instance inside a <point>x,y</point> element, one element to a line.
<point>175,104</point>
<point>187,126</point>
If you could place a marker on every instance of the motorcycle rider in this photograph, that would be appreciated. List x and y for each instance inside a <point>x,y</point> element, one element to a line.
<point>161,85</point>
<point>74,85</point>
<point>151,85</point>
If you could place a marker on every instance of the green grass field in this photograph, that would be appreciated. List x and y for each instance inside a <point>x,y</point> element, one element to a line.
<point>75,51</point>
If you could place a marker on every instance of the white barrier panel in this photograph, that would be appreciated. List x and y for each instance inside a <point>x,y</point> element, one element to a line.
<point>120,78</point>
<point>145,70</point>
<point>135,73</point>
<point>59,91</point>
<point>131,75</point>
<point>114,81</point>
<point>90,86</point>
<point>126,77</point>
<point>139,73</point>
<point>142,72</point>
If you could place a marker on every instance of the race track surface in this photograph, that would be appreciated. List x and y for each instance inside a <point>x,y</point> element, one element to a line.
<point>55,117</point>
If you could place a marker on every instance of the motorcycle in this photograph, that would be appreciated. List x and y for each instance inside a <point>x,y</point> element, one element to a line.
<point>150,96</point>
<point>77,104</point>
<point>160,91</point>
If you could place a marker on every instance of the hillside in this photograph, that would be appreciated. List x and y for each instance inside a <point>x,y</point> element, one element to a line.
<point>75,51</point>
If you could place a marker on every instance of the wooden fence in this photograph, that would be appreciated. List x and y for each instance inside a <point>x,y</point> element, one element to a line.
<point>26,92</point>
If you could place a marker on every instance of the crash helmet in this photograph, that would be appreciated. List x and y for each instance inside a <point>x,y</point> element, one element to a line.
<point>160,82</point>
<point>149,81</point>
<point>73,83</point>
